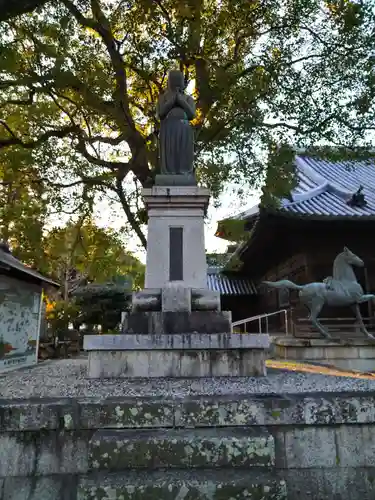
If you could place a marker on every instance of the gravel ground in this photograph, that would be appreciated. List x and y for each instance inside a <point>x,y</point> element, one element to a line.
<point>67,378</point>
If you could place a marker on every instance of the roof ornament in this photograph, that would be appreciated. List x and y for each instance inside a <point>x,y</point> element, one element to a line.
<point>358,199</point>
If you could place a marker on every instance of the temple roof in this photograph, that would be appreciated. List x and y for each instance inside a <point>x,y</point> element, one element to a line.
<point>228,285</point>
<point>324,189</point>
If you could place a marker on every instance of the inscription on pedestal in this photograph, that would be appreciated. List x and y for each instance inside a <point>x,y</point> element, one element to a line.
<point>175,254</point>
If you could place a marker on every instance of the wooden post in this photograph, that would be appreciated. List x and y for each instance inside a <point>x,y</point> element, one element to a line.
<point>367,290</point>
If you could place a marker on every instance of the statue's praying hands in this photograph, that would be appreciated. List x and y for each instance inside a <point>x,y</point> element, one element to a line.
<point>175,109</point>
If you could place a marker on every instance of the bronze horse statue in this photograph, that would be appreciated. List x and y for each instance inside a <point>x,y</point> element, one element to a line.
<point>340,290</point>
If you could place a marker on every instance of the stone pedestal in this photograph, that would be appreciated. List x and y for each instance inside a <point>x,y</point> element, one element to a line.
<point>176,327</point>
<point>348,354</point>
<point>189,355</point>
<point>175,242</point>
<point>185,335</point>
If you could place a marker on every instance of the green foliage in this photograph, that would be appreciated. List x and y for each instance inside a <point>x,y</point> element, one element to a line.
<point>341,154</point>
<point>93,253</point>
<point>102,304</point>
<point>60,314</point>
<point>80,80</point>
<point>232,230</point>
<point>234,264</point>
<point>217,259</point>
<point>23,206</point>
<point>281,176</point>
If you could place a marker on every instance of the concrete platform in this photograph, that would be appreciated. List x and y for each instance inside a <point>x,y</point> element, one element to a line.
<point>347,354</point>
<point>186,355</point>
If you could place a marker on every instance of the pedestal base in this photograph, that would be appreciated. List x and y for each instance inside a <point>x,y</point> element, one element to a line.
<point>175,322</point>
<point>175,180</point>
<point>348,354</point>
<point>156,356</point>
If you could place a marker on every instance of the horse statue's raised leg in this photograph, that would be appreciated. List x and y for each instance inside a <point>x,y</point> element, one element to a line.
<point>315,305</point>
<point>358,314</point>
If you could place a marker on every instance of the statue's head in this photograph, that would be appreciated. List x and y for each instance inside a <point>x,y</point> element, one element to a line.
<point>351,258</point>
<point>176,80</point>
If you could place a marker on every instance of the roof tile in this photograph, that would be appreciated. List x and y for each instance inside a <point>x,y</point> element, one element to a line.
<point>229,286</point>
<point>324,188</point>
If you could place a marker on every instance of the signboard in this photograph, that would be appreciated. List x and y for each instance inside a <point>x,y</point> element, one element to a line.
<point>19,324</point>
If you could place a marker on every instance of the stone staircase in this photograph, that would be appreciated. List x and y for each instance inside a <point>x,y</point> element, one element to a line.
<point>227,446</point>
<point>182,464</point>
<point>342,328</point>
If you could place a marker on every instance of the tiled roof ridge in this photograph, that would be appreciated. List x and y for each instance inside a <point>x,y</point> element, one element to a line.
<point>324,185</point>
<point>325,189</point>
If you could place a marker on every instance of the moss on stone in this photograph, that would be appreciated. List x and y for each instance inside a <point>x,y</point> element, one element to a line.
<point>116,451</point>
<point>188,491</point>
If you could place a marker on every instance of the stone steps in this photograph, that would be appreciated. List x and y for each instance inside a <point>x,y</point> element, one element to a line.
<point>315,446</point>
<point>183,485</point>
<point>115,450</point>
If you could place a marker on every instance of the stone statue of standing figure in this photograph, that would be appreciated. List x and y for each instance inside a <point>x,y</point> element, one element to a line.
<point>175,109</point>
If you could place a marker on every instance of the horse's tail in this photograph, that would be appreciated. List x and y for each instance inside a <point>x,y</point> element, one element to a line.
<point>283,284</point>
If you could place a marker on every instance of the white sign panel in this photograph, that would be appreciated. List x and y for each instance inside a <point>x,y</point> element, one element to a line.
<point>19,324</point>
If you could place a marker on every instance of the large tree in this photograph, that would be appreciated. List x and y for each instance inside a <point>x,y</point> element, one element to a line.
<point>23,207</point>
<point>80,78</point>
<point>81,253</point>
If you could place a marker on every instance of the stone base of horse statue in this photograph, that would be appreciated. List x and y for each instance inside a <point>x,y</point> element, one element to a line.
<point>349,354</point>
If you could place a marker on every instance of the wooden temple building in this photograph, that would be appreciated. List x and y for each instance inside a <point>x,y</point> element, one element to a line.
<point>332,206</point>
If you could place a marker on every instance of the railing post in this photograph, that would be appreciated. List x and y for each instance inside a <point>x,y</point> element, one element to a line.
<point>286,322</point>
<point>242,324</point>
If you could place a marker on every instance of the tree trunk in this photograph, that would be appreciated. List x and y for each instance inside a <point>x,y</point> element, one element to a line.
<point>129,214</point>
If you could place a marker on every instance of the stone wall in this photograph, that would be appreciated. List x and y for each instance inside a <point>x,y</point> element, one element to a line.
<point>266,447</point>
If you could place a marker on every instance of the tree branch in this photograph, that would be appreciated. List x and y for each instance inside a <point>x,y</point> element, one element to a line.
<point>22,102</point>
<point>297,128</point>
<point>14,140</point>
<point>129,214</point>
<point>120,167</point>
<point>14,8</point>
<point>114,141</point>
<point>23,82</point>
<point>100,24</point>
<point>81,19</point>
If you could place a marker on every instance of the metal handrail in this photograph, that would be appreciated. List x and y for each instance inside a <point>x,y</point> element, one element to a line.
<point>259,318</point>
